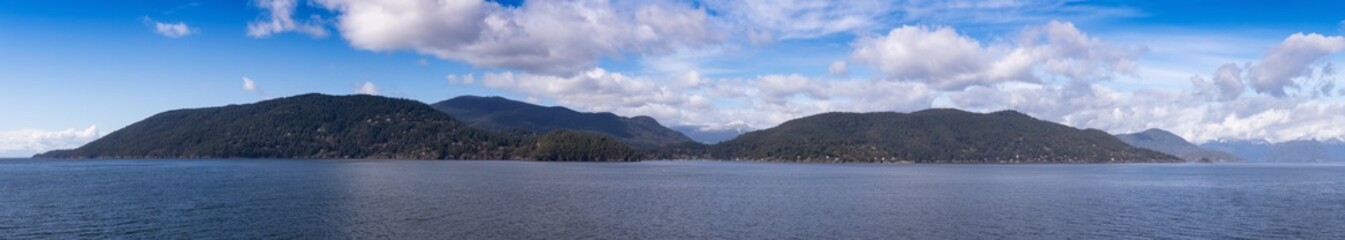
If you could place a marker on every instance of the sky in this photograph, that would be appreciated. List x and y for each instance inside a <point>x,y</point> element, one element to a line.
<point>71,71</point>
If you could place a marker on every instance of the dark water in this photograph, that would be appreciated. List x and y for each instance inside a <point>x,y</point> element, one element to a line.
<point>529,200</point>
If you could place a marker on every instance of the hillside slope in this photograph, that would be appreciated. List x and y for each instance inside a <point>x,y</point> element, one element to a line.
<point>504,115</point>
<point>931,136</point>
<point>1166,142</point>
<point>303,126</point>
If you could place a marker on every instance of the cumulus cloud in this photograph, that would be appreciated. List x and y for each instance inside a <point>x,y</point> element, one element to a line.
<point>279,18</point>
<point>948,60</point>
<point>1229,81</point>
<point>838,69</point>
<point>26,142</point>
<point>249,85</point>
<point>552,37</point>
<point>570,36</point>
<point>939,56</point>
<point>1226,85</point>
<point>171,30</point>
<point>1296,63</point>
<point>367,88</point>
<point>1192,116</point>
<point>1291,59</point>
<point>1326,81</point>
<point>548,51</point>
<point>1060,49</point>
<point>767,100</point>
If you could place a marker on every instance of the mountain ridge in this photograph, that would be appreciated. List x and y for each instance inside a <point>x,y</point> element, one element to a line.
<point>324,126</point>
<point>502,114</point>
<point>1167,142</point>
<point>1289,151</point>
<point>931,136</point>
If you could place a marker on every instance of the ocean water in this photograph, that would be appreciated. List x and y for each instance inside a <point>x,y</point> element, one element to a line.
<point>250,199</point>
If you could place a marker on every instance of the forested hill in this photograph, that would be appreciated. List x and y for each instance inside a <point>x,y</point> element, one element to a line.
<point>322,126</point>
<point>500,114</point>
<point>931,136</point>
<point>303,126</point>
<point>1166,142</point>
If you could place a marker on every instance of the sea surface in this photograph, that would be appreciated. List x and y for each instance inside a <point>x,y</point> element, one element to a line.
<point>325,199</point>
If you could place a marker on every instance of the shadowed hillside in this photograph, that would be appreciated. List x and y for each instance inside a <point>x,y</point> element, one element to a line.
<point>322,126</point>
<point>504,115</point>
<point>931,136</point>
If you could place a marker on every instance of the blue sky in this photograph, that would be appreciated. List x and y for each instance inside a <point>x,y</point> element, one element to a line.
<point>1119,66</point>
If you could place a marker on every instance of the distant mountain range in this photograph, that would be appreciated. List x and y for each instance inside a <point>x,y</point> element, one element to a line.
<point>1166,142</point>
<point>713,135</point>
<point>1290,151</point>
<point>500,114</point>
<point>361,126</point>
<point>931,136</point>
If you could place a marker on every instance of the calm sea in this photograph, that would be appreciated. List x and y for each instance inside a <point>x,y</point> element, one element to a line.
<point>249,199</point>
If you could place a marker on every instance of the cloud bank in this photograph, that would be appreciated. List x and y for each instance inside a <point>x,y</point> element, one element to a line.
<point>1053,71</point>
<point>947,60</point>
<point>550,52</point>
<point>552,37</point>
<point>26,142</point>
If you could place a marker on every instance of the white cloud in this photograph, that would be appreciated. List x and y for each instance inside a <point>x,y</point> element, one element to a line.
<point>1190,115</point>
<point>765,101</point>
<point>26,142</point>
<point>1291,59</point>
<point>1060,49</point>
<point>1296,63</point>
<point>838,69</point>
<point>173,30</point>
<point>939,56</point>
<point>280,18</point>
<point>552,37</point>
<point>1226,85</point>
<point>950,61</point>
<point>549,52</point>
<point>249,85</point>
<point>1215,109</point>
<point>1228,78</point>
<point>367,88</point>
<point>567,37</point>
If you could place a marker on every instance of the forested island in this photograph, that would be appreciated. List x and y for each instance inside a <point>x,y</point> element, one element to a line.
<point>931,136</point>
<point>347,127</point>
<point>321,126</point>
